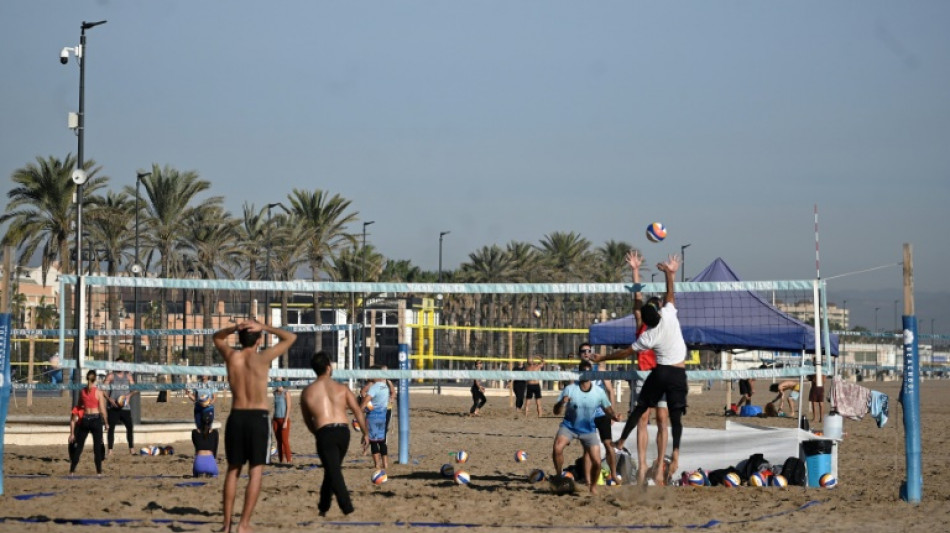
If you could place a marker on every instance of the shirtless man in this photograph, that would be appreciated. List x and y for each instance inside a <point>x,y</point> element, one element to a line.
<point>323,404</point>
<point>247,430</point>
<point>533,387</point>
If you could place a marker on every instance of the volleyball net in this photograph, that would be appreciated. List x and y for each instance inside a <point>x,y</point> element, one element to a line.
<point>162,328</point>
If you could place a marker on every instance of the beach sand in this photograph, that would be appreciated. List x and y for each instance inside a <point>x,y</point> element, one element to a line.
<point>158,493</point>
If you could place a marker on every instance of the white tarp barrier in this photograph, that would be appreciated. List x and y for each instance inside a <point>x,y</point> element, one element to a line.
<point>711,449</point>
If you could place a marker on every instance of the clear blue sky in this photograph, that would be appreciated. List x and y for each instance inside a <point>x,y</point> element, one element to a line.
<point>508,120</point>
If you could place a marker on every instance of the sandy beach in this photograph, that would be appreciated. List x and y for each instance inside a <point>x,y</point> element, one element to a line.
<point>158,493</point>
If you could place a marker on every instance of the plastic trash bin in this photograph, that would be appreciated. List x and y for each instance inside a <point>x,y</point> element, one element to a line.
<point>817,459</point>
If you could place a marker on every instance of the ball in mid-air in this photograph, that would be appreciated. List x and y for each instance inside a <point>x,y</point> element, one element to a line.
<point>521,456</point>
<point>828,481</point>
<point>462,477</point>
<point>379,477</point>
<point>461,456</point>
<point>656,232</point>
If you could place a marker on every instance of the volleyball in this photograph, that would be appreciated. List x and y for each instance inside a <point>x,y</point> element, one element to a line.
<point>356,426</point>
<point>122,400</point>
<point>155,450</point>
<point>567,474</point>
<point>462,477</point>
<point>145,451</point>
<point>656,232</point>
<point>379,477</point>
<point>461,456</point>
<point>697,478</point>
<point>447,471</point>
<point>521,456</point>
<point>273,449</point>
<point>536,475</point>
<point>828,481</point>
<point>369,405</point>
<point>612,482</point>
<point>169,450</point>
<point>778,480</point>
<point>204,399</point>
<point>562,485</point>
<point>731,480</point>
<point>758,479</point>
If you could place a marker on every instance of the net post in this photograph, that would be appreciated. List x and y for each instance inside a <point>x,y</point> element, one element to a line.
<point>403,386</point>
<point>910,397</point>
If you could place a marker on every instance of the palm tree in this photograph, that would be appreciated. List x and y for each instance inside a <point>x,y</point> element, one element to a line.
<point>565,254</point>
<point>403,270</point>
<point>40,211</point>
<point>111,218</point>
<point>253,235</point>
<point>288,253</point>
<point>170,200</point>
<point>213,245</point>
<point>326,218</point>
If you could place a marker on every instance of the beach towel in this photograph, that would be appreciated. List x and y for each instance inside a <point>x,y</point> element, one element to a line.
<point>849,399</point>
<point>878,407</point>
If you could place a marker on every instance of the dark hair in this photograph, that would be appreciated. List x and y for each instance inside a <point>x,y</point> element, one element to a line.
<point>773,387</point>
<point>320,363</point>
<point>584,365</point>
<point>91,373</point>
<point>248,338</point>
<point>584,345</point>
<point>650,312</point>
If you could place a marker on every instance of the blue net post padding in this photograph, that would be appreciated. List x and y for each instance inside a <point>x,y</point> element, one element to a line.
<point>5,384</point>
<point>910,399</point>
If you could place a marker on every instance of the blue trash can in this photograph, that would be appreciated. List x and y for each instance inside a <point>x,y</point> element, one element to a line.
<point>817,459</point>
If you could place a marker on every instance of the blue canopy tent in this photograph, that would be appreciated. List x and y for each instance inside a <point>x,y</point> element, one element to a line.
<point>723,321</point>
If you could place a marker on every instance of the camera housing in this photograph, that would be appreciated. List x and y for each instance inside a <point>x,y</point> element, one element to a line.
<point>64,56</point>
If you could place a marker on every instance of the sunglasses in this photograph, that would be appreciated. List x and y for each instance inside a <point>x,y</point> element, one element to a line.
<point>586,350</point>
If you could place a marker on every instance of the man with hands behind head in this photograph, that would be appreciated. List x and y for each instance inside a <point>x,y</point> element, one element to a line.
<point>247,431</point>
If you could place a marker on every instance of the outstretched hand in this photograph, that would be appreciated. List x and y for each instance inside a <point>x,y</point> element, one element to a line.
<point>634,259</point>
<point>672,264</point>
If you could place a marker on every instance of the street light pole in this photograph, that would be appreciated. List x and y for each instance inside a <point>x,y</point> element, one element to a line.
<point>441,234</point>
<point>683,261</point>
<point>438,364</point>
<point>877,356</point>
<point>897,325</point>
<point>79,177</point>
<point>363,299</point>
<point>137,269</point>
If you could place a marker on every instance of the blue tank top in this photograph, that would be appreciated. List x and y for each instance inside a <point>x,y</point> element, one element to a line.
<point>280,405</point>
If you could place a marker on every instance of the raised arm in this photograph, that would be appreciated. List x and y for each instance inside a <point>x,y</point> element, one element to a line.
<point>285,340</point>
<point>634,259</point>
<point>669,268</point>
<point>220,339</point>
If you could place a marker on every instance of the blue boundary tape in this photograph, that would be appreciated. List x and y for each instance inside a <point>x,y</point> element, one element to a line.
<point>411,524</point>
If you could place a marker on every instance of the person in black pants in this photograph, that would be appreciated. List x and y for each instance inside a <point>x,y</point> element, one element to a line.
<point>518,386</point>
<point>478,393</point>
<point>323,404</point>
<point>93,403</point>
